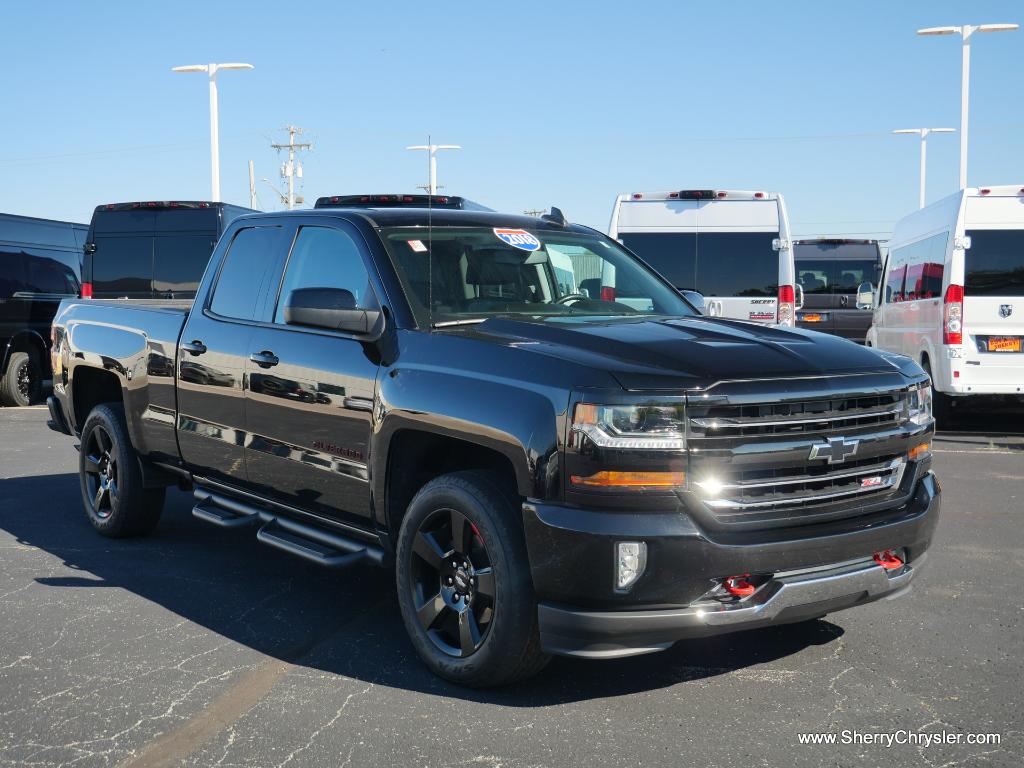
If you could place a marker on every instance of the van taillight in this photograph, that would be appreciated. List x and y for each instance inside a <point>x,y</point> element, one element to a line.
<point>607,293</point>
<point>86,290</point>
<point>787,304</point>
<point>953,315</point>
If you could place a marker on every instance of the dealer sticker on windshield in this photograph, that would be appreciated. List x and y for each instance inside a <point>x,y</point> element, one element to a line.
<point>518,238</point>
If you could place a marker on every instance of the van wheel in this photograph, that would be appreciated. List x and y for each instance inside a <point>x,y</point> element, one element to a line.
<point>942,405</point>
<point>22,382</point>
<point>464,586</point>
<point>116,502</point>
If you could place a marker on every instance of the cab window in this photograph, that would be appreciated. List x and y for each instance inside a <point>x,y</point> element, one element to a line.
<point>324,258</point>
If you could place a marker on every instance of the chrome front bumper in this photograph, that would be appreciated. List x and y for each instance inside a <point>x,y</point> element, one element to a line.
<point>786,598</point>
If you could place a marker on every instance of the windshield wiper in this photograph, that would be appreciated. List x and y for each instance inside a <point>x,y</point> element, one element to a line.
<point>466,321</point>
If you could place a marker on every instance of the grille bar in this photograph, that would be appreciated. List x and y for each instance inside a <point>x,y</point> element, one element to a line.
<point>725,422</point>
<point>889,476</point>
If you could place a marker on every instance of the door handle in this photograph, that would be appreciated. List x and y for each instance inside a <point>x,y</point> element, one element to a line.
<point>264,359</point>
<point>844,300</point>
<point>194,347</point>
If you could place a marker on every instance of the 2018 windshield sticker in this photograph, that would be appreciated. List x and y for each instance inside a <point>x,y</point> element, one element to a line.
<point>518,238</point>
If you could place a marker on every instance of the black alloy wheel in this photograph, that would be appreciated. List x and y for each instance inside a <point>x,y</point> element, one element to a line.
<point>100,468</point>
<point>452,583</point>
<point>24,379</point>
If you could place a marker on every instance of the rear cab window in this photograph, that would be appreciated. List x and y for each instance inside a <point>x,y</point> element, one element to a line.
<point>248,266</point>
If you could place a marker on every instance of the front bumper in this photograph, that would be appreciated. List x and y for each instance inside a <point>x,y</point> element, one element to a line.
<point>809,573</point>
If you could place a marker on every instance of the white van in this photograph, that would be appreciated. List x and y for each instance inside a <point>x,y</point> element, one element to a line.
<point>731,246</point>
<point>952,294</point>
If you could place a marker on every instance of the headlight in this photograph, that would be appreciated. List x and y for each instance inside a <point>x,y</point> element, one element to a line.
<point>617,448</point>
<point>632,427</point>
<point>919,405</point>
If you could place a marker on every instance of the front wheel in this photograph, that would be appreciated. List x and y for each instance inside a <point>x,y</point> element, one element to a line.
<point>464,586</point>
<point>115,499</point>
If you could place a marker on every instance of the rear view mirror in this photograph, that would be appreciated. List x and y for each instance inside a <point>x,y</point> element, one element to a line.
<point>331,308</point>
<point>865,296</point>
<point>694,297</point>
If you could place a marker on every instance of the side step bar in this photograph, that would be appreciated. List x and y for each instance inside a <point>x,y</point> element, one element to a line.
<point>317,545</point>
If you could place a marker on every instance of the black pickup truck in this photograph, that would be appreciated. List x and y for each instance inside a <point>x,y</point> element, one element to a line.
<point>546,472</point>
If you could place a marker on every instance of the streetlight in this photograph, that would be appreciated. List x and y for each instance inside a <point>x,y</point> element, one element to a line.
<point>965,32</point>
<point>212,70</point>
<point>432,149</point>
<point>923,133</point>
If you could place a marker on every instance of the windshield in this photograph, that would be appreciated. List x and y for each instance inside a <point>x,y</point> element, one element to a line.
<point>466,274</point>
<point>994,264</point>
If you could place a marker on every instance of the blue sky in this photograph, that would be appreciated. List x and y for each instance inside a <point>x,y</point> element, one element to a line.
<point>554,103</point>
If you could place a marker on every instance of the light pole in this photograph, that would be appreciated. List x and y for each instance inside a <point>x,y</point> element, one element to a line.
<point>212,70</point>
<point>923,133</point>
<point>965,33</point>
<point>432,149</point>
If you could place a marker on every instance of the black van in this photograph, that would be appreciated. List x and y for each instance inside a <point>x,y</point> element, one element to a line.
<point>152,250</point>
<point>832,272</point>
<point>40,264</point>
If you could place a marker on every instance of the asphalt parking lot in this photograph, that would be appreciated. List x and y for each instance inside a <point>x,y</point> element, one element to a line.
<point>200,647</point>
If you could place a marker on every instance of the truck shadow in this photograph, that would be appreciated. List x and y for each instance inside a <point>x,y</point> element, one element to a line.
<point>345,622</point>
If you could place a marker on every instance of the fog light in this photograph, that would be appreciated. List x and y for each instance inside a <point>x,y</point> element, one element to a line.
<point>630,561</point>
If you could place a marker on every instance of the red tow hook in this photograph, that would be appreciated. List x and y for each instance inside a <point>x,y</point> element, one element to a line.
<point>739,586</point>
<point>888,559</point>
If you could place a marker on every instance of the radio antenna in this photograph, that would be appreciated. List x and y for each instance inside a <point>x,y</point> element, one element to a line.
<point>430,239</point>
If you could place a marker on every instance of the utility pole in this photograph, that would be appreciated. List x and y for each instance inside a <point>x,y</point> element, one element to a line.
<point>252,186</point>
<point>292,168</point>
<point>432,149</point>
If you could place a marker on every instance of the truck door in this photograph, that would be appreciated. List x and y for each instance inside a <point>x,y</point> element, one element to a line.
<point>310,404</point>
<point>213,352</point>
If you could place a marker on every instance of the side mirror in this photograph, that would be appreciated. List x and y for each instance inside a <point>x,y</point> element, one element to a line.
<point>865,296</point>
<point>331,308</point>
<point>694,297</point>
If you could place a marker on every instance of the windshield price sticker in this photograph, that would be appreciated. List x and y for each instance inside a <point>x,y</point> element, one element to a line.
<point>518,238</point>
<point>418,246</point>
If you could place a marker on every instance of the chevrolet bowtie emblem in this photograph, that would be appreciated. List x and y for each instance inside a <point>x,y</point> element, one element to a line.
<point>835,449</point>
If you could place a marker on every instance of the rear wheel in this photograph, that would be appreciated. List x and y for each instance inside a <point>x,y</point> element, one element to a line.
<point>942,405</point>
<point>22,382</point>
<point>464,585</point>
<point>116,502</point>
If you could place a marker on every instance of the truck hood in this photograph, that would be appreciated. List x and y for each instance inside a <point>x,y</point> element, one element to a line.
<point>673,353</point>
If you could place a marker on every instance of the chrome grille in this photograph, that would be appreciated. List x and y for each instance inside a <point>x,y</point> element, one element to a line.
<point>734,500</point>
<point>833,415</point>
<point>751,454</point>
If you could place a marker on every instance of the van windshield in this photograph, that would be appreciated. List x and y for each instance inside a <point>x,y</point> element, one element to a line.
<point>994,264</point>
<point>714,263</point>
<point>460,275</point>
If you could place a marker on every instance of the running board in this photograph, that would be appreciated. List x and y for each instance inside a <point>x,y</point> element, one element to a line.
<point>313,551</point>
<point>222,511</point>
<point>316,545</point>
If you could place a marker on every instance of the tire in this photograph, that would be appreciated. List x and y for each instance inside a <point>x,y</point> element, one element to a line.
<point>116,502</point>
<point>22,382</point>
<point>942,406</point>
<point>474,624</point>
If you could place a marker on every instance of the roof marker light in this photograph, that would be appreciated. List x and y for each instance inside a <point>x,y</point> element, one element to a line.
<point>759,195</point>
<point>720,195</point>
<point>638,196</point>
<point>985,191</point>
<point>675,195</point>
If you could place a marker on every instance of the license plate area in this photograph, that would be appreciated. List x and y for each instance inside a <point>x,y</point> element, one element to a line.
<point>1001,344</point>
